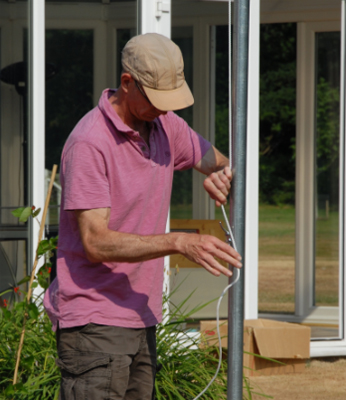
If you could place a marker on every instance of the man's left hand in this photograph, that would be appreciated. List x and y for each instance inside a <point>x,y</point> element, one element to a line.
<point>218,185</point>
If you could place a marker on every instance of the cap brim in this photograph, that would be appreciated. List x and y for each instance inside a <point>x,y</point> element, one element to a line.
<point>170,100</point>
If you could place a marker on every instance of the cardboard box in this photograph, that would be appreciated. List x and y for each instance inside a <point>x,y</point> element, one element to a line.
<point>287,343</point>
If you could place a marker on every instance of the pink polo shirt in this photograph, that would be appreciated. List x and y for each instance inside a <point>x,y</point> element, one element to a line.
<point>106,164</point>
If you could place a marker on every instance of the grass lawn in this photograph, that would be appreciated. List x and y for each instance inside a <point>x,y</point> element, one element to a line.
<point>277,259</point>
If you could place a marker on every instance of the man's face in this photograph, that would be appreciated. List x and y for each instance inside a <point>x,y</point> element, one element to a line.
<point>140,105</point>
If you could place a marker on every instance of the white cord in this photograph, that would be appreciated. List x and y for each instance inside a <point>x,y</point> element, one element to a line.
<point>218,305</point>
<point>218,333</point>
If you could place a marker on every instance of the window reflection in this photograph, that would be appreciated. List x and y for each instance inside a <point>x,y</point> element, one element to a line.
<point>327,169</point>
<point>181,202</point>
<point>69,94</point>
<point>277,168</point>
<point>12,267</point>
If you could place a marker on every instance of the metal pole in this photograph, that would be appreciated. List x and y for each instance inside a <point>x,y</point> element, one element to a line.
<point>236,294</point>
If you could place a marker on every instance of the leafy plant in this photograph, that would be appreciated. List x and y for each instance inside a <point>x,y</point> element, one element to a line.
<point>31,360</point>
<point>38,376</point>
<point>186,367</point>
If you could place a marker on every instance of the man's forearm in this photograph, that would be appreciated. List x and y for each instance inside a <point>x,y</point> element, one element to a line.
<point>126,247</point>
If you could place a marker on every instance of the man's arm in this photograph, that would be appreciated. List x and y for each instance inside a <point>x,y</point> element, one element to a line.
<point>216,166</point>
<point>102,244</point>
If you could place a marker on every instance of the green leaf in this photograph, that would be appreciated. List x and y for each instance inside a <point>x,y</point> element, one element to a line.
<point>9,390</point>
<point>27,362</point>
<point>33,311</point>
<point>23,213</point>
<point>43,247</point>
<point>6,291</point>
<point>43,283</point>
<point>34,285</point>
<point>6,314</point>
<point>36,212</point>
<point>18,211</point>
<point>54,242</point>
<point>24,280</point>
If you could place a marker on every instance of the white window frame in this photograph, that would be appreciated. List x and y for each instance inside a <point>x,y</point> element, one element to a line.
<point>36,112</point>
<point>329,12</point>
<point>305,310</point>
<point>305,178</point>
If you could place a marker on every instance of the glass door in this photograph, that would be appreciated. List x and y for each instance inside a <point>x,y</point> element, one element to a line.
<point>14,152</point>
<point>277,157</point>
<point>327,177</point>
<point>320,184</point>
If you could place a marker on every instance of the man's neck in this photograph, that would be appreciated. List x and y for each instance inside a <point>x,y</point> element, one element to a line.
<point>120,108</point>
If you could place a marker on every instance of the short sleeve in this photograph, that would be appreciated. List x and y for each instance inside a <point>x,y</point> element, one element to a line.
<point>84,179</point>
<point>189,146</point>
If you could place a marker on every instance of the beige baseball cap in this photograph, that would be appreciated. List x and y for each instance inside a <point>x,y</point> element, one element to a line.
<point>157,64</point>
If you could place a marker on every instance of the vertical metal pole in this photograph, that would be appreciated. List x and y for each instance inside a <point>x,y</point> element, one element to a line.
<point>236,294</point>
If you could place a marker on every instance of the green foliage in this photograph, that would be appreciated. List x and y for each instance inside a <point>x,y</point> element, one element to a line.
<point>188,367</point>
<point>46,246</point>
<point>221,128</point>
<point>182,188</point>
<point>277,113</point>
<point>327,141</point>
<point>38,374</point>
<point>69,94</point>
<point>277,109</point>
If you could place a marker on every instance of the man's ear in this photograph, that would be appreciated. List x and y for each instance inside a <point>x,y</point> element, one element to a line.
<point>126,79</point>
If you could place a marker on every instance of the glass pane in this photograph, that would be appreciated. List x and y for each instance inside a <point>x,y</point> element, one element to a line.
<point>12,267</point>
<point>13,146</point>
<point>181,201</point>
<point>123,36</point>
<point>69,95</point>
<point>221,95</point>
<point>14,130</point>
<point>277,168</point>
<point>327,169</point>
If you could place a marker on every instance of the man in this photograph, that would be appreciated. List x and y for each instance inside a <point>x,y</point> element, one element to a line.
<point>116,174</point>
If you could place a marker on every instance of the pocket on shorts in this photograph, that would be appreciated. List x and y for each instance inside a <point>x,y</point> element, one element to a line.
<point>77,362</point>
<point>85,375</point>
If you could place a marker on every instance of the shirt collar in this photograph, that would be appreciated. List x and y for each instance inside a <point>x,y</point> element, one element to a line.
<point>107,109</point>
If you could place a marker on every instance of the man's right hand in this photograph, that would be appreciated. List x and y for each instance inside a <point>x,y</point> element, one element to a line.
<point>202,249</point>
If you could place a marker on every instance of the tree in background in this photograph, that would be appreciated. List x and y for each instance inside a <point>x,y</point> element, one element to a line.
<point>327,118</point>
<point>69,95</point>
<point>277,108</point>
<point>277,113</point>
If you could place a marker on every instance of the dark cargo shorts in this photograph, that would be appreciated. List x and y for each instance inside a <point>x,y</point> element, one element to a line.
<point>100,362</point>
